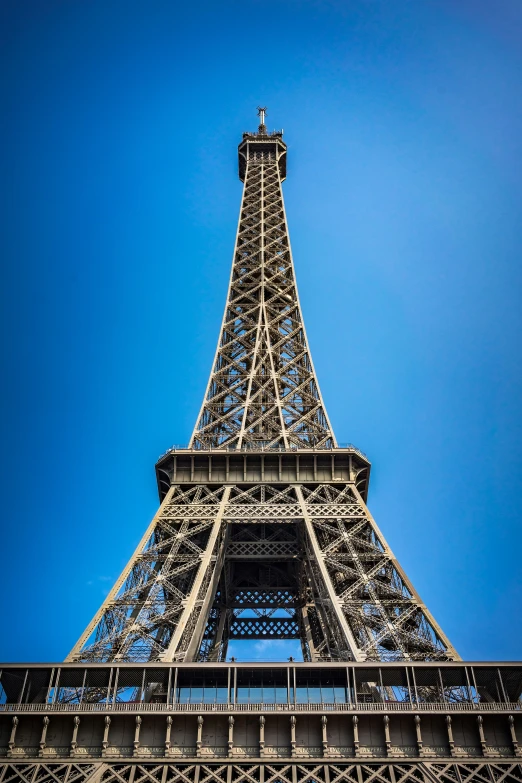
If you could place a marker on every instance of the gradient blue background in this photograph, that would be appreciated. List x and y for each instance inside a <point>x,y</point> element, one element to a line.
<point>119,203</point>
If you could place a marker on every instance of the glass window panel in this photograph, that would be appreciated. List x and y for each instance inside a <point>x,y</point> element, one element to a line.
<point>222,695</point>
<point>340,695</point>
<point>183,695</point>
<point>256,695</point>
<point>281,696</point>
<point>242,695</point>
<point>196,695</point>
<point>302,695</point>
<point>327,695</point>
<point>209,695</point>
<point>397,693</point>
<point>269,695</point>
<point>314,695</point>
<point>475,695</point>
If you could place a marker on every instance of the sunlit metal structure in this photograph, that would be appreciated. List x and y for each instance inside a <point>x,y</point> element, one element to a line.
<point>262,533</point>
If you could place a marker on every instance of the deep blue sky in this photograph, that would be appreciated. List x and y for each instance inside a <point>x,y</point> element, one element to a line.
<point>119,205</point>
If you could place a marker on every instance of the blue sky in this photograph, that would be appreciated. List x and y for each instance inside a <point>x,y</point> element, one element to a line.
<point>119,205</point>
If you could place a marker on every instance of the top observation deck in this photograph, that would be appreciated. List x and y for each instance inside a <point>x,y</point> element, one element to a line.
<point>262,146</point>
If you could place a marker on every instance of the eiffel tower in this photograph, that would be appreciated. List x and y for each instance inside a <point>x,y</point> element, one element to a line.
<point>262,533</point>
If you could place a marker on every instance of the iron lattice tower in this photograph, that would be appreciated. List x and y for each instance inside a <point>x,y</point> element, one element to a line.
<point>263,530</point>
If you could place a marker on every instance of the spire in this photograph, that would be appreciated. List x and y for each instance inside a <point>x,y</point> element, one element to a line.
<point>261,113</point>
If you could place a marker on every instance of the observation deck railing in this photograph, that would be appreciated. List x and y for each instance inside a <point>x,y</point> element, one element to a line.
<point>261,447</point>
<point>354,707</point>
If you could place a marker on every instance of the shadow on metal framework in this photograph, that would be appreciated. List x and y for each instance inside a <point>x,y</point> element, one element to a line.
<point>262,533</point>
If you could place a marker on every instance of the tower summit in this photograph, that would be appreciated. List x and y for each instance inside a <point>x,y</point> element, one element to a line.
<point>262,390</point>
<point>263,531</point>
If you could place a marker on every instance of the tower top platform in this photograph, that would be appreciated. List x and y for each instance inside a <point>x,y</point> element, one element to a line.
<point>262,146</point>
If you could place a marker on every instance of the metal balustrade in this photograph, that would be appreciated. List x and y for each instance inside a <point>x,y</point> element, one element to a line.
<point>261,447</point>
<point>154,707</point>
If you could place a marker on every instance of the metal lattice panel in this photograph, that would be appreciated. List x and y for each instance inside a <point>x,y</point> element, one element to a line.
<point>386,617</point>
<point>398,771</point>
<point>139,618</point>
<point>64,772</point>
<point>354,600</point>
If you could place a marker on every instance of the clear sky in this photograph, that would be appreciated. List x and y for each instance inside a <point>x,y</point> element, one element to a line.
<point>119,205</point>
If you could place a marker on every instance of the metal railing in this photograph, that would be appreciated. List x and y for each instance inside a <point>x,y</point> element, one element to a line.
<point>261,447</point>
<point>276,133</point>
<point>383,707</point>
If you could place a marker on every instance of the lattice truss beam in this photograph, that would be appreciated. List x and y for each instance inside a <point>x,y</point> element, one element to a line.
<point>352,599</point>
<point>263,388</point>
<point>263,561</point>
<point>400,771</point>
<point>353,569</point>
<point>155,604</point>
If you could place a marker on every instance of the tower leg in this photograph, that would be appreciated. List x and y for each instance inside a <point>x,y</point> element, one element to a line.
<point>186,639</point>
